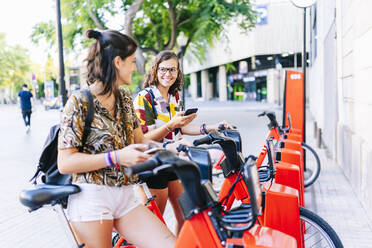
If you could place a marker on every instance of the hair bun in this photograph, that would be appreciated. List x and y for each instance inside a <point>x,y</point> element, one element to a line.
<point>91,33</point>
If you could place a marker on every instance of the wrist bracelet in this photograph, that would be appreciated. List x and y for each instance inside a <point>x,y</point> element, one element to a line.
<point>112,156</point>
<point>115,159</point>
<point>166,127</point>
<point>108,159</point>
<point>203,129</point>
<point>107,162</point>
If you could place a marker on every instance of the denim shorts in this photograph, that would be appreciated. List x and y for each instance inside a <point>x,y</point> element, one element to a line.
<point>101,202</point>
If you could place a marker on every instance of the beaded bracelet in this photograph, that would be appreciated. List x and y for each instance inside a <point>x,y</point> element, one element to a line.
<point>111,159</point>
<point>117,160</point>
<point>117,163</point>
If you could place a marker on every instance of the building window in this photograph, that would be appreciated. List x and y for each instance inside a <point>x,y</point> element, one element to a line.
<point>198,84</point>
<point>213,79</point>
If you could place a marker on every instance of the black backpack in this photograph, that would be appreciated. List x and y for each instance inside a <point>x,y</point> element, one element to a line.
<point>48,159</point>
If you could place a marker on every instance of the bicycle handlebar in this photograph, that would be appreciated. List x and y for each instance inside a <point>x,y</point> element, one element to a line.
<point>205,140</point>
<point>272,117</point>
<point>145,166</point>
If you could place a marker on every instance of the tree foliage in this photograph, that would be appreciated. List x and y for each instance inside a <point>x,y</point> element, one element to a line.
<point>160,22</point>
<point>155,24</point>
<point>15,65</point>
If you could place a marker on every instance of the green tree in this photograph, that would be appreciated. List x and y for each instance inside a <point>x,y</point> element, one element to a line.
<point>155,24</point>
<point>15,66</point>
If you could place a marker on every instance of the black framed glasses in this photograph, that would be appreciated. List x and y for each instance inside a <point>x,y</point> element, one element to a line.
<point>164,70</point>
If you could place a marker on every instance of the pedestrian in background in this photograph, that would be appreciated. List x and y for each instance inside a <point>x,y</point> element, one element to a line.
<point>24,99</point>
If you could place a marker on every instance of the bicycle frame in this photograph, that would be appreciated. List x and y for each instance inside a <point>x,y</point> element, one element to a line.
<point>205,226</point>
<point>281,210</point>
<point>289,170</point>
<point>281,202</point>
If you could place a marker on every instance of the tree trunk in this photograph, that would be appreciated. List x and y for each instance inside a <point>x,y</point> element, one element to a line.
<point>172,18</point>
<point>96,20</point>
<point>130,15</point>
<point>128,22</point>
<point>140,61</point>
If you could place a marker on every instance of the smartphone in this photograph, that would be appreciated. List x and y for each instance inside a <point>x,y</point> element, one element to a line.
<point>190,111</point>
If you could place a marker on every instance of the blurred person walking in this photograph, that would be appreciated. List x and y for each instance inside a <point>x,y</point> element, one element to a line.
<point>25,99</point>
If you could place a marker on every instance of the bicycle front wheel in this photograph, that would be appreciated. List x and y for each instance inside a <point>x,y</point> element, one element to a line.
<point>312,166</point>
<point>318,233</point>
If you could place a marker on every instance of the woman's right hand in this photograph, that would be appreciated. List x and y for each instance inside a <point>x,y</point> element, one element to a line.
<point>133,154</point>
<point>180,120</point>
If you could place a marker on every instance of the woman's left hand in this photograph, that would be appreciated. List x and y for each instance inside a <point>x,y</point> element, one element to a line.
<point>214,127</point>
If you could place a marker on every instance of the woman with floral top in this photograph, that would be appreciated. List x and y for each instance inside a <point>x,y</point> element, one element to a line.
<point>158,107</point>
<point>107,200</point>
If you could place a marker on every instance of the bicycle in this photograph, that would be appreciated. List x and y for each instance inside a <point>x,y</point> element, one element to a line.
<point>292,139</point>
<point>275,195</point>
<point>206,225</point>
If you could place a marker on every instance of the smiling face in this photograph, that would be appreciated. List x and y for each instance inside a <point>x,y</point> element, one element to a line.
<point>167,73</point>
<point>124,69</point>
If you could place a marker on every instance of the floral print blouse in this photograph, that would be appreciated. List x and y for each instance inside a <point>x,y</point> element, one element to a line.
<point>165,111</point>
<point>107,133</point>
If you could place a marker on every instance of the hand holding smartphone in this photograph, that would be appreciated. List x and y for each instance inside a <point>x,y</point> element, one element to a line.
<point>190,111</point>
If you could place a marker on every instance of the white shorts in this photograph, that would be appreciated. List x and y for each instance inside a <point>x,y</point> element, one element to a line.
<point>101,202</point>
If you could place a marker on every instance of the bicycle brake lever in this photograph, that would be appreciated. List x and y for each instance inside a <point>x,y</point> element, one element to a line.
<point>182,148</point>
<point>221,127</point>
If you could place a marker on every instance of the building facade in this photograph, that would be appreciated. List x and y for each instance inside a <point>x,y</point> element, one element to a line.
<point>339,75</point>
<point>340,84</point>
<point>249,65</point>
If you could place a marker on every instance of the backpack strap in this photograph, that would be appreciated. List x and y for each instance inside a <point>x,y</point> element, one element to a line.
<point>88,119</point>
<point>152,97</point>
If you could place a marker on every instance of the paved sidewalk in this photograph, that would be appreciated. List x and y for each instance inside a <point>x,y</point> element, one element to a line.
<point>332,198</point>
<point>19,153</point>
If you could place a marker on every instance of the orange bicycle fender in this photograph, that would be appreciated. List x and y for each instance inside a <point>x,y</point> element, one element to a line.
<point>265,237</point>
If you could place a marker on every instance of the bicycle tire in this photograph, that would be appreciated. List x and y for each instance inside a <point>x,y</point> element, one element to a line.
<point>314,174</point>
<point>318,232</point>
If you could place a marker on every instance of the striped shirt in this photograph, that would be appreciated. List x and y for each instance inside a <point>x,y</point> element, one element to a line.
<point>151,119</point>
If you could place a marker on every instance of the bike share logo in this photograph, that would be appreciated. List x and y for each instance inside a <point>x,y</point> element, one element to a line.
<point>296,76</point>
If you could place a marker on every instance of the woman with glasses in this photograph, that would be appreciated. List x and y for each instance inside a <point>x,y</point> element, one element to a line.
<point>158,107</point>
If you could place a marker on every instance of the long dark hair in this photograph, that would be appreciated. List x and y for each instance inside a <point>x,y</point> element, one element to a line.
<point>152,76</point>
<point>102,52</point>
